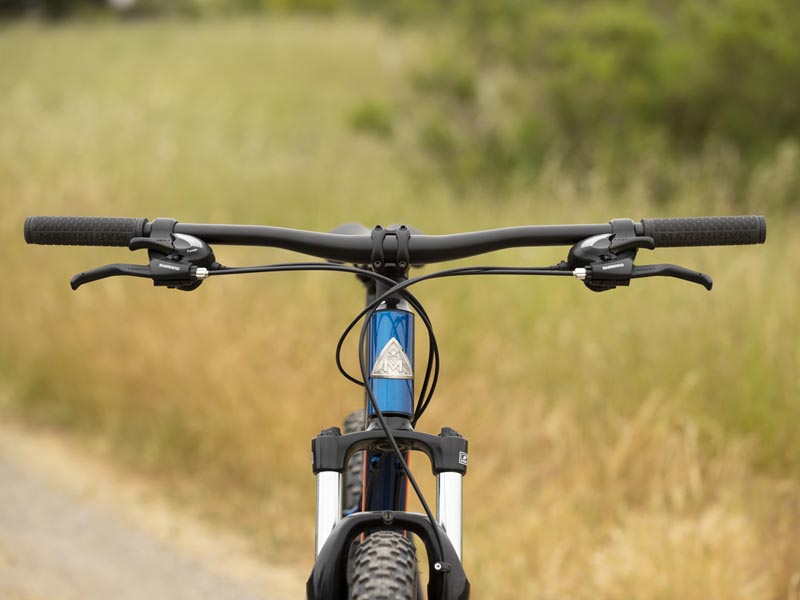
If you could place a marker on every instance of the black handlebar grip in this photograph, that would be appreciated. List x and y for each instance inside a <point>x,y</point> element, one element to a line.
<point>706,231</point>
<point>83,231</point>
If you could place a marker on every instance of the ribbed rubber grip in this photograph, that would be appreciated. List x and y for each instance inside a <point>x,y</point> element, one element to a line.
<point>706,231</point>
<point>82,231</point>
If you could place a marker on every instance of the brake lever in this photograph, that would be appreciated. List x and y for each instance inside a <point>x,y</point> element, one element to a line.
<point>109,271</point>
<point>601,276</point>
<point>173,274</point>
<point>673,271</point>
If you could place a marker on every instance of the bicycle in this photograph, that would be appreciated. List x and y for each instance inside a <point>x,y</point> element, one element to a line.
<point>363,530</point>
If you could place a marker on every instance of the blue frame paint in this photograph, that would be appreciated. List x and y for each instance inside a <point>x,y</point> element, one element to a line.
<point>387,482</point>
<point>394,396</point>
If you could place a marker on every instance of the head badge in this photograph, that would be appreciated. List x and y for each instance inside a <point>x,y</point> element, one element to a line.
<point>392,363</point>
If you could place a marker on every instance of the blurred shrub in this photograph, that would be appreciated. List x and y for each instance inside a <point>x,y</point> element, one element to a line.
<point>373,117</point>
<point>610,81</point>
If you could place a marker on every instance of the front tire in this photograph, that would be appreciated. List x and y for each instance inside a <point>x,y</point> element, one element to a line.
<point>355,466</point>
<point>384,568</point>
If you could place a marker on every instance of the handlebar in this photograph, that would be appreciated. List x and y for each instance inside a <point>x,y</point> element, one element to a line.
<point>422,249</point>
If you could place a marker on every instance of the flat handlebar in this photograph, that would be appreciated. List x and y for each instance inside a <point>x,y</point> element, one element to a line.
<point>423,249</point>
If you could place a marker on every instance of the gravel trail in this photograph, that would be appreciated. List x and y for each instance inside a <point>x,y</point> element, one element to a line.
<point>71,528</point>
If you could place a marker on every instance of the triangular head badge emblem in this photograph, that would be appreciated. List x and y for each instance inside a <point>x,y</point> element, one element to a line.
<point>392,363</point>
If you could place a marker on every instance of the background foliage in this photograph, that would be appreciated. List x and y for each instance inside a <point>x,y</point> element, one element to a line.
<point>613,81</point>
<point>606,82</point>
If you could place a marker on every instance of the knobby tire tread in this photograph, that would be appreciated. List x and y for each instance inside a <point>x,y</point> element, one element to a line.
<point>353,475</point>
<point>384,568</point>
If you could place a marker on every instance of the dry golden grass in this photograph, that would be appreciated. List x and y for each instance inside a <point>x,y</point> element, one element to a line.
<point>636,444</point>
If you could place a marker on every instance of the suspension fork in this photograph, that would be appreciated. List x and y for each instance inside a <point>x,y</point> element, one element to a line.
<point>391,376</point>
<point>447,453</point>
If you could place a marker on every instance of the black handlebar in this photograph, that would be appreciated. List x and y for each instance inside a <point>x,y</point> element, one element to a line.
<point>422,249</point>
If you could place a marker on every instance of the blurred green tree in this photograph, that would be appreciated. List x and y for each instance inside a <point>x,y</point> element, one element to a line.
<point>606,80</point>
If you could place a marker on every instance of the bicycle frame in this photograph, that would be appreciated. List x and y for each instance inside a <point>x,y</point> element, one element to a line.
<point>391,378</point>
<point>390,363</point>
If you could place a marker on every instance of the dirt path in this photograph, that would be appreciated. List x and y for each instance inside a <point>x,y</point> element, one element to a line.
<point>73,529</point>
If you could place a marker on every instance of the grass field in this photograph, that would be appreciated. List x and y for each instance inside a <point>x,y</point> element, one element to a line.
<point>635,444</point>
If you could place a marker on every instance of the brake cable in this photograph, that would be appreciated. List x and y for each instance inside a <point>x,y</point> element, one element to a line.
<point>373,306</point>
<point>367,314</point>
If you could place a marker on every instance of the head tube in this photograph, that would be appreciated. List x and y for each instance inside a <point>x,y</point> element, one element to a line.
<point>391,360</point>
